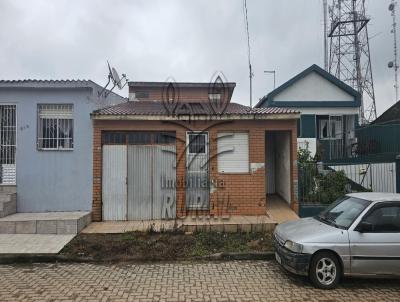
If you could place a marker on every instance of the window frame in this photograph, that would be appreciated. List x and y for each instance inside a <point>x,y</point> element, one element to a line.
<point>38,128</point>
<point>332,124</point>
<point>13,147</point>
<point>142,94</point>
<point>321,127</point>
<point>215,97</point>
<point>197,135</point>
<point>248,152</point>
<point>386,204</point>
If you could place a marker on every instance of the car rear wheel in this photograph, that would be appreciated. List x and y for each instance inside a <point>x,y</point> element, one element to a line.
<point>325,270</point>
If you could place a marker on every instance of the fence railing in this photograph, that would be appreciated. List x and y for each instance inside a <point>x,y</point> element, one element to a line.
<point>374,143</point>
<point>325,182</point>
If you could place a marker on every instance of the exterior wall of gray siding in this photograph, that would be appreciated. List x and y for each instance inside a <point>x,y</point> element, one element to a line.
<point>53,180</point>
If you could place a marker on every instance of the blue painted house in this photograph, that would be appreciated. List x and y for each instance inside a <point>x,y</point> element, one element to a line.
<point>329,111</point>
<point>46,142</point>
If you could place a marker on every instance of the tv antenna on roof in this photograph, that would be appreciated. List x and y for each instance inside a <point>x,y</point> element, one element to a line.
<point>116,80</point>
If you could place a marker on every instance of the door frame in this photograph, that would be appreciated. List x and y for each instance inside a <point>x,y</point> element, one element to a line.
<point>207,142</point>
<point>288,134</point>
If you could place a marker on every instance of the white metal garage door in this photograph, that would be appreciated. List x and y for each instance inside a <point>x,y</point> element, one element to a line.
<point>139,182</point>
<point>114,182</point>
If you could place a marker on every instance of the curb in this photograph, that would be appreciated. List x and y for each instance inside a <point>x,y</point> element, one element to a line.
<point>241,256</point>
<point>37,258</point>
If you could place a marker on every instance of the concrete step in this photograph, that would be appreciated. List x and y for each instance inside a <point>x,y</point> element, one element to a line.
<point>228,224</point>
<point>45,223</point>
<point>8,204</point>
<point>8,189</point>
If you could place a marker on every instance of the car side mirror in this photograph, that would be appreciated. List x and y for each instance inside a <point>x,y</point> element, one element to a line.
<point>364,227</point>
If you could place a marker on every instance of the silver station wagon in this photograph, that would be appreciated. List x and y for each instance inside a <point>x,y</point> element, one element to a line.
<point>358,235</point>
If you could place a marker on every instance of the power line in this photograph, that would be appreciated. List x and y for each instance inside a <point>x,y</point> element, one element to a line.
<point>248,49</point>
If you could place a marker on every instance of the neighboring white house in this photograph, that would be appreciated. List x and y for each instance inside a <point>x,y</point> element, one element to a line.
<point>46,142</point>
<point>329,111</point>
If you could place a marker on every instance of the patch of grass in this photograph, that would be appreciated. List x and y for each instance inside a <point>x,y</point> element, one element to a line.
<point>210,243</point>
<point>163,246</point>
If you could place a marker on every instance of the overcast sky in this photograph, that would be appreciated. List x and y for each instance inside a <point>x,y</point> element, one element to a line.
<point>188,40</point>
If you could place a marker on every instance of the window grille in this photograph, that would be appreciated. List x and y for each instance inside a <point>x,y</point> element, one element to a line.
<point>7,134</point>
<point>197,143</point>
<point>55,127</point>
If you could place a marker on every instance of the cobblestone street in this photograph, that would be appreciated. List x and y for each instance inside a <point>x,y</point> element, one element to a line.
<point>211,281</point>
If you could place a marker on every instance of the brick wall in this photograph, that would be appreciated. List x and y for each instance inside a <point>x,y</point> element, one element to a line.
<point>243,194</point>
<point>187,94</point>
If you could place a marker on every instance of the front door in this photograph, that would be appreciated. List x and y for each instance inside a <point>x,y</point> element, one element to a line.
<point>377,251</point>
<point>197,181</point>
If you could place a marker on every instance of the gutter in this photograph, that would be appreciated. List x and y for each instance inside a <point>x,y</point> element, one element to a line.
<point>185,117</point>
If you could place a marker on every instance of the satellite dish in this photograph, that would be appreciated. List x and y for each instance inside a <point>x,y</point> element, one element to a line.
<point>390,64</point>
<point>113,77</point>
<point>391,6</point>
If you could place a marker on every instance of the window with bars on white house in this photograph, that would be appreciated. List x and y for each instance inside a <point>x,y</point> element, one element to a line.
<point>55,127</point>
<point>8,131</point>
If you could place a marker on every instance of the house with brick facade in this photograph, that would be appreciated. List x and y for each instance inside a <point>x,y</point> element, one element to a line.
<point>181,149</point>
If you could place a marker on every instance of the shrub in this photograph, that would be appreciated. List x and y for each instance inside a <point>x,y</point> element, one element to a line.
<point>316,186</point>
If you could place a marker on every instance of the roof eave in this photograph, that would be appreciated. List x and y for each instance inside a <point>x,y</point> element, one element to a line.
<point>181,84</point>
<point>276,116</point>
<point>313,68</point>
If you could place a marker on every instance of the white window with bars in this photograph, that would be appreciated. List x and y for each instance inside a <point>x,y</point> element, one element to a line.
<point>8,135</point>
<point>55,127</point>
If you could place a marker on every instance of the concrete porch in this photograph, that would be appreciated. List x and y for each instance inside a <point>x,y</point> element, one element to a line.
<point>39,233</point>
<point>279,210</point>
<point>55,223</point>
<point>187,224</point>
<point>35,233</point>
